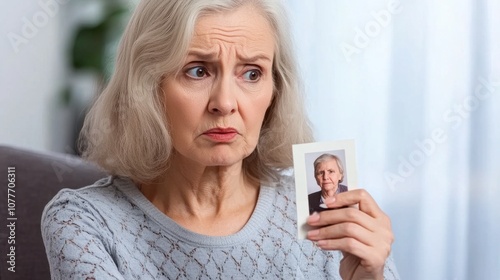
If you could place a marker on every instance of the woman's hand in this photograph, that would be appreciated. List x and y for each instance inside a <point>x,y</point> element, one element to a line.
<point>363,235</point>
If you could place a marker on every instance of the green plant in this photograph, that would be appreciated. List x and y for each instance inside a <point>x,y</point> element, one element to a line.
<point>92,50</point>
<point>93,46</point>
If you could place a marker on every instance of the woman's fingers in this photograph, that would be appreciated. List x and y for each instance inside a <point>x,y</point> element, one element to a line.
<point>379,236</point>
<point>350,214</point>
<point>349,268</point>
<point>364,232</point>
<point>356,197</point>
<point>370,257</point>
<point>350,223</point>
<point>372,252</point>
<point>339,231</point>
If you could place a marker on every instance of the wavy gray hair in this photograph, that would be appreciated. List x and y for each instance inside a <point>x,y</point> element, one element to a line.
<point>126,131</point>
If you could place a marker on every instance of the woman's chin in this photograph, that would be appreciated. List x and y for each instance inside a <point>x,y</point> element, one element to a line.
<point>224,162</point>
<point>223,155</point>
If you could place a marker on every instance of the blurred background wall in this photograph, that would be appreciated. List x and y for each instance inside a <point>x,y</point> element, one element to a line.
<point>32,72</point>
<point>55,56</point>
<point>415,83</point>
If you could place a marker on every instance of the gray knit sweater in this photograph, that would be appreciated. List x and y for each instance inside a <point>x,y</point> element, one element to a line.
<point>111,231</point>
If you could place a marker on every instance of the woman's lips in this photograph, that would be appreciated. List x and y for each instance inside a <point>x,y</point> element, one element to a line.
<point>221,135</point>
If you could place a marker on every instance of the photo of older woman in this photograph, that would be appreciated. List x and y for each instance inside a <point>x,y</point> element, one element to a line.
<point>195,130</point>
<point>329,173</point>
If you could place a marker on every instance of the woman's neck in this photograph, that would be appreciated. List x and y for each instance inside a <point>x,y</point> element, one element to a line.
<point>215,200</point>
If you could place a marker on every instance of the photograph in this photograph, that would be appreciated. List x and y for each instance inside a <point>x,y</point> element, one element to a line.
<point>262,139</point>
<point>322,170</point>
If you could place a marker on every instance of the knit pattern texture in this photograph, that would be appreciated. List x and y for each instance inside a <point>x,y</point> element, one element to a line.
<point>111,231</point>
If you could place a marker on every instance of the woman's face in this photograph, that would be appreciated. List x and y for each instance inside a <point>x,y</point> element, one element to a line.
<point>328,175</point>
<point>216,104</point>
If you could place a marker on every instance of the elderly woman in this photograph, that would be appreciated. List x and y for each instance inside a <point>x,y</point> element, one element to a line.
<point>329,173</point>
<point>196,127</point>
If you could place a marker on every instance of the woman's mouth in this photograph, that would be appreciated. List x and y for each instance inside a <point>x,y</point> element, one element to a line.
<point>221,135</point>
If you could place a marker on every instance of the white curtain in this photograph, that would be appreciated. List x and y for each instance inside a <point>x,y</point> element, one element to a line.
<point>417,84</point>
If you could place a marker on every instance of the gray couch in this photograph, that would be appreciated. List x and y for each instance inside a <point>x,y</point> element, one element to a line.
<point>38,177</point>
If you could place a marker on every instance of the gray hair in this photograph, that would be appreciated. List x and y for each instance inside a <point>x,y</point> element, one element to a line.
<point>328,157</point>
<point>126,130</point>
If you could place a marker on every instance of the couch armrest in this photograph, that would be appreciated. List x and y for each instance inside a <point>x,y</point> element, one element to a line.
<point>38,178</point>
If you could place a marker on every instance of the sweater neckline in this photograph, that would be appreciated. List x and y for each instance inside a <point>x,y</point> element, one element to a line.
<point>249,230</point>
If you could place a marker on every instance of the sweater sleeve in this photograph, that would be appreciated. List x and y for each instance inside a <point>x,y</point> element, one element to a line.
<point>390,270</point>
<point>77,240</point>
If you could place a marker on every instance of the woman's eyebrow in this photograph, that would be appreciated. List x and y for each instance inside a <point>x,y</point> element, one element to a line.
<point>205,56</point>
<point>212,56</point>
<point>254,58</point>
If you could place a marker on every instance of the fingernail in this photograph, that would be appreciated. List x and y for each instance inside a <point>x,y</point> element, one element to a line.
<point>321,243</point>
<point>313,233</point>
<point>313,218</point>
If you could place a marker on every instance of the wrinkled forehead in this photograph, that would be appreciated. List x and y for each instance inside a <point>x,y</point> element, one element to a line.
<point>245,27</point>
<point>210,24</point>
<point>327,163</point>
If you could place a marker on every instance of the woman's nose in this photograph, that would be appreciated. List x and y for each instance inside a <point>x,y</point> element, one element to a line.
<point>223,97</point>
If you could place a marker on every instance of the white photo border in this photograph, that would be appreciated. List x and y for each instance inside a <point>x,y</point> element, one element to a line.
<point>299,163</point>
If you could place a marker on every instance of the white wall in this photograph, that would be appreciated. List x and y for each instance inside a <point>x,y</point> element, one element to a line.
<point>31,71</point>
<point>36,40</point>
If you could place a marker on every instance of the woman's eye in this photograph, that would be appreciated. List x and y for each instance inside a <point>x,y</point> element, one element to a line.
<point>252,75</point>
<point>197,72</point>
